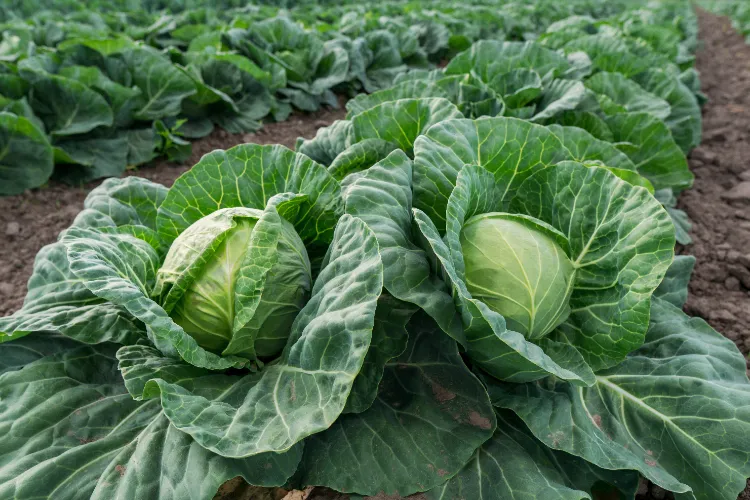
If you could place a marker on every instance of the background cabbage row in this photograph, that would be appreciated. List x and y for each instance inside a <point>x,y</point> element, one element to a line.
<point>96,92</point>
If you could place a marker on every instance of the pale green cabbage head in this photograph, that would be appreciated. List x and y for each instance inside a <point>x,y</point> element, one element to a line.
<point>517,266</point>
<point>211,263</point>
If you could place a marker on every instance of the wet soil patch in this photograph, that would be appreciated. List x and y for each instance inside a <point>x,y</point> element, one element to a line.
<point>33,219</point>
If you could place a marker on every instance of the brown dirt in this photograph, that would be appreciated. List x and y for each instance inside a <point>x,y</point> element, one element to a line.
<point>33,219</point>
<point>719,203</point>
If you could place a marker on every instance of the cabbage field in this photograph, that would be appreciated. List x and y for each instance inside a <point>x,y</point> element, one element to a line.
<point>474,284</point>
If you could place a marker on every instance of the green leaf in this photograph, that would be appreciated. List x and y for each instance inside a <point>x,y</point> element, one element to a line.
<point>328,142</point>
<point>73,431</point>
<point>306,389</point>
<point>557,97</point>
<point>430,415</point>
<point>684,120</point>
<point>26,350</point>
<point>26,159</point>
<point>513,464</point>
<point>611,54</point>
<point>488,58</point>
<point>585,147</point>
<point>382,198</point>
<point>666,411</point>
<point>402,121</point>
<point>586,120</point>
<point>83,159</point>
<point>656,156</point>
<point>510,148</point>
<point>409,89</point>
<point>130,201</point>
<point>360,156</point>
<point>163,85</point>
<point>621,242</point>
<point>628,94</point>
<point>68,107</point>
<point>122,99</point>
<point>248,175</point>
<point>389,339</point>
<point>141,146</point>
<point>518,87</point>
<point>59,301</point>
<point>674,287</point>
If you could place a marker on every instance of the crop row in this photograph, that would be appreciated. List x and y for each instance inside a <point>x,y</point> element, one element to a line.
<point>466,288</point>
<point>96,93</point>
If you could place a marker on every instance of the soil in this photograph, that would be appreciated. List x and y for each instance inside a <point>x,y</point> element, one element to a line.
<point>718,205</point>
<point>719,202</point>
<point>33,219</point>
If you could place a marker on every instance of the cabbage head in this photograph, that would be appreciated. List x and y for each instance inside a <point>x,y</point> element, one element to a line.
<point>552,262</point>
<point>208,263</point>
<point>516,266</point>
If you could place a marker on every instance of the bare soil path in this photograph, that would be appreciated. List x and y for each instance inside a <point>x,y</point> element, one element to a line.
<point>719,202</point>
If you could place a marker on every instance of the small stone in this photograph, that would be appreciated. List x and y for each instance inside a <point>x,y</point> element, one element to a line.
<point>744,260</point>
<point>740,192</point>
<point>719,135</point>
<point>722,315</point>
<point>732,256</point>
<point>732,284</point>
<point>321,123</point>
<point>704,155</point>
<point>741,273</point>
<point>715,272</point>
<point>747,343</point>
<point>745,176</point>
<point>6,289</point>
<point>657,492</point>
<point>732,335</point>
<point>12,229</point>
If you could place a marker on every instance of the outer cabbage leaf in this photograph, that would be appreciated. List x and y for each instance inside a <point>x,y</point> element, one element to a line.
<point>684,120</point>
<point>559,96</point>
<point>409,89</point>
<point>26,159</point>
<point>430,415</point>
<point>401,122</point>
<point>73,430</point>
<point>513,464</point>
<point>628,94</point>
<point>328,142</point>
<point>584,147</point>
<point>489,58</point>
<point>248,175</point>
<point>666,411</point>
<point>656,156</point>
<point>674,287</point>
<point>382,198</point>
